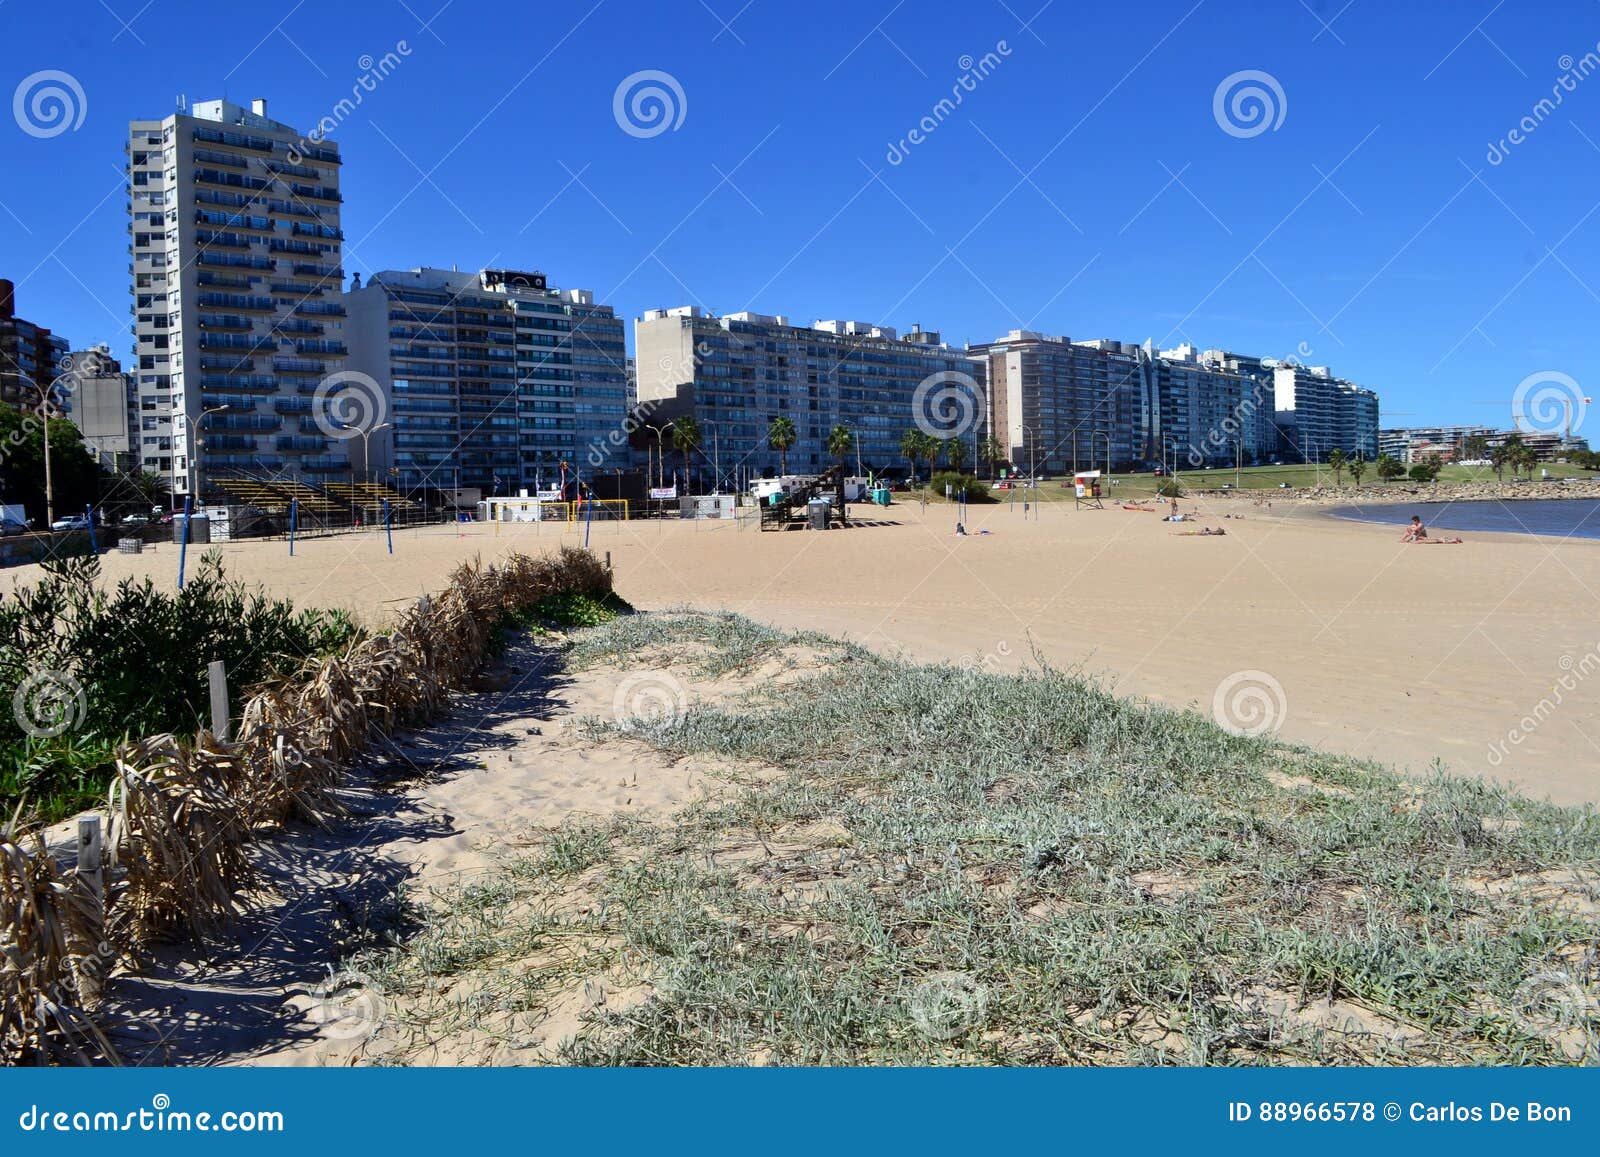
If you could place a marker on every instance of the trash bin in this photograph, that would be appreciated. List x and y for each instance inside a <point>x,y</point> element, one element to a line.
<point>817,514</point>
<point>199,529</point>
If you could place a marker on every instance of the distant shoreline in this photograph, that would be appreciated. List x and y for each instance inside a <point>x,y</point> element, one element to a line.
<point>1375,494</point>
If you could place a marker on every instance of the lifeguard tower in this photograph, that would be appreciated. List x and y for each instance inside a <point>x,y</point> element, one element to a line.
<point>1086,489</point>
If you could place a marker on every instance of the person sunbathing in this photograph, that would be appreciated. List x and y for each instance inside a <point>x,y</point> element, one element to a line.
<point>1418,533</point>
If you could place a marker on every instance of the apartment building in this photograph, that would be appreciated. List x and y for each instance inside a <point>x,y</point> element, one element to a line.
<point>30,355</point>
<point>1207,408</point>
<point>1056,405</point>
<point>236,271</point>
<point>490,380</point>
<point>1413,443</point>
<point>1318,413</point>
<point>737,372</point>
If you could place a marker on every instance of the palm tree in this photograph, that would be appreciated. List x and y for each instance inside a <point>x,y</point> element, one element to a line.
<point>989,452</point>
<point>1390,468</point>
<point>686,437</point>
<point>781,435</point>
<point>1358,467</point>
<point>1337,462</point>
<point>955,452</point>
<point>840,442</point>
<point>1508,453</point>
<point>911,449</point>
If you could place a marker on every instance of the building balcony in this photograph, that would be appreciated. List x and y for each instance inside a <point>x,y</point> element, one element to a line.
<point>238,382</point>
<point>296,442</point>
<point>333,349</point>
<point>298,366</point>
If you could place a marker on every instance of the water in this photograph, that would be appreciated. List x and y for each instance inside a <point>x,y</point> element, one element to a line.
<point>1568,517</point>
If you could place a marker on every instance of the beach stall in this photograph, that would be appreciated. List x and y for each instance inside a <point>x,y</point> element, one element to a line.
<point>1086,489</point>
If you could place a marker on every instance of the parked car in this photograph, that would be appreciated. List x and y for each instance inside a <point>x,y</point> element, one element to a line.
<point>135,520</point>
<point>71,522</point>
<point>11,526</point>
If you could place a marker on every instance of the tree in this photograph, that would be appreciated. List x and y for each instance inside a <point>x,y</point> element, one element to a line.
<point>1390,468</point>
<point>1337,462</point>
<point>1527,459</point>
<point>1474,448</point>
<point>1358,467</point>
<point>911,449</point>
<point>74,476</point>
<point>955,453</point>
<point>840,442</point>
<point>781,436</point>
<point>1428,470</point>
<point>1507,453</point>
<point>989,452</point>
<point>686,437</point>
<point>150,488</point>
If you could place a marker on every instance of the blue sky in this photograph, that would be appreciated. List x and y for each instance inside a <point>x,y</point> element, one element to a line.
<point>1084,186</point>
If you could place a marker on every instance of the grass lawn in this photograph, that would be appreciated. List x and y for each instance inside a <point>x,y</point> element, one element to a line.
<point>925,864</point>
<point>1140,486</point>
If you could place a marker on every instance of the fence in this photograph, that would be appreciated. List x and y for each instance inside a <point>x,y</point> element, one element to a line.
<point>583,509</point>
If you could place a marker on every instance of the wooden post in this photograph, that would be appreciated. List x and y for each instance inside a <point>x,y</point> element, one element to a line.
<point>89,958</point>
<point>219,699</point>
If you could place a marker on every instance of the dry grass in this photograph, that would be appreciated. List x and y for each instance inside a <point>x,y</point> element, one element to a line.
<point>184,815</point>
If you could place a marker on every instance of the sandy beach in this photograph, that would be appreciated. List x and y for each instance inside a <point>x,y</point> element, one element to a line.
<point>1478,654</point>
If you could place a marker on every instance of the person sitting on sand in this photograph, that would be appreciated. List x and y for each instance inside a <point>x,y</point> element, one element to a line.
<point>1417,533</point>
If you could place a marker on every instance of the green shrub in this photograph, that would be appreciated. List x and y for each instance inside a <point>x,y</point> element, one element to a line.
<point>977,490</point>
<point>1170,488</point>
<point>139,655</point>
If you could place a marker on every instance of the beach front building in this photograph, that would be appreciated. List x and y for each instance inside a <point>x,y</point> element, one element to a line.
<point>1318,413</point>
<point>30,355</point>
<point>1207,408</point>
<point>491,380</point>
<point>1056,405</point>
<point>236,269</point>
<point>1414,443</point>
<point>736,373</point>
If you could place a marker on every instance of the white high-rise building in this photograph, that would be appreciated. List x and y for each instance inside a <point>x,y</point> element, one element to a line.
<point>237,282</point>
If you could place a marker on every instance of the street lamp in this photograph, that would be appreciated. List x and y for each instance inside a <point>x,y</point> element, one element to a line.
<point>366,460</point>
<point>199,441</point>
<point>661,449</point>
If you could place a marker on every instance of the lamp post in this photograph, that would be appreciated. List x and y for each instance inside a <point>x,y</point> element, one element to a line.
<point>661,449</point>
<point>199,442</point>
<point>1107,436</point>
<point>366,459</point>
